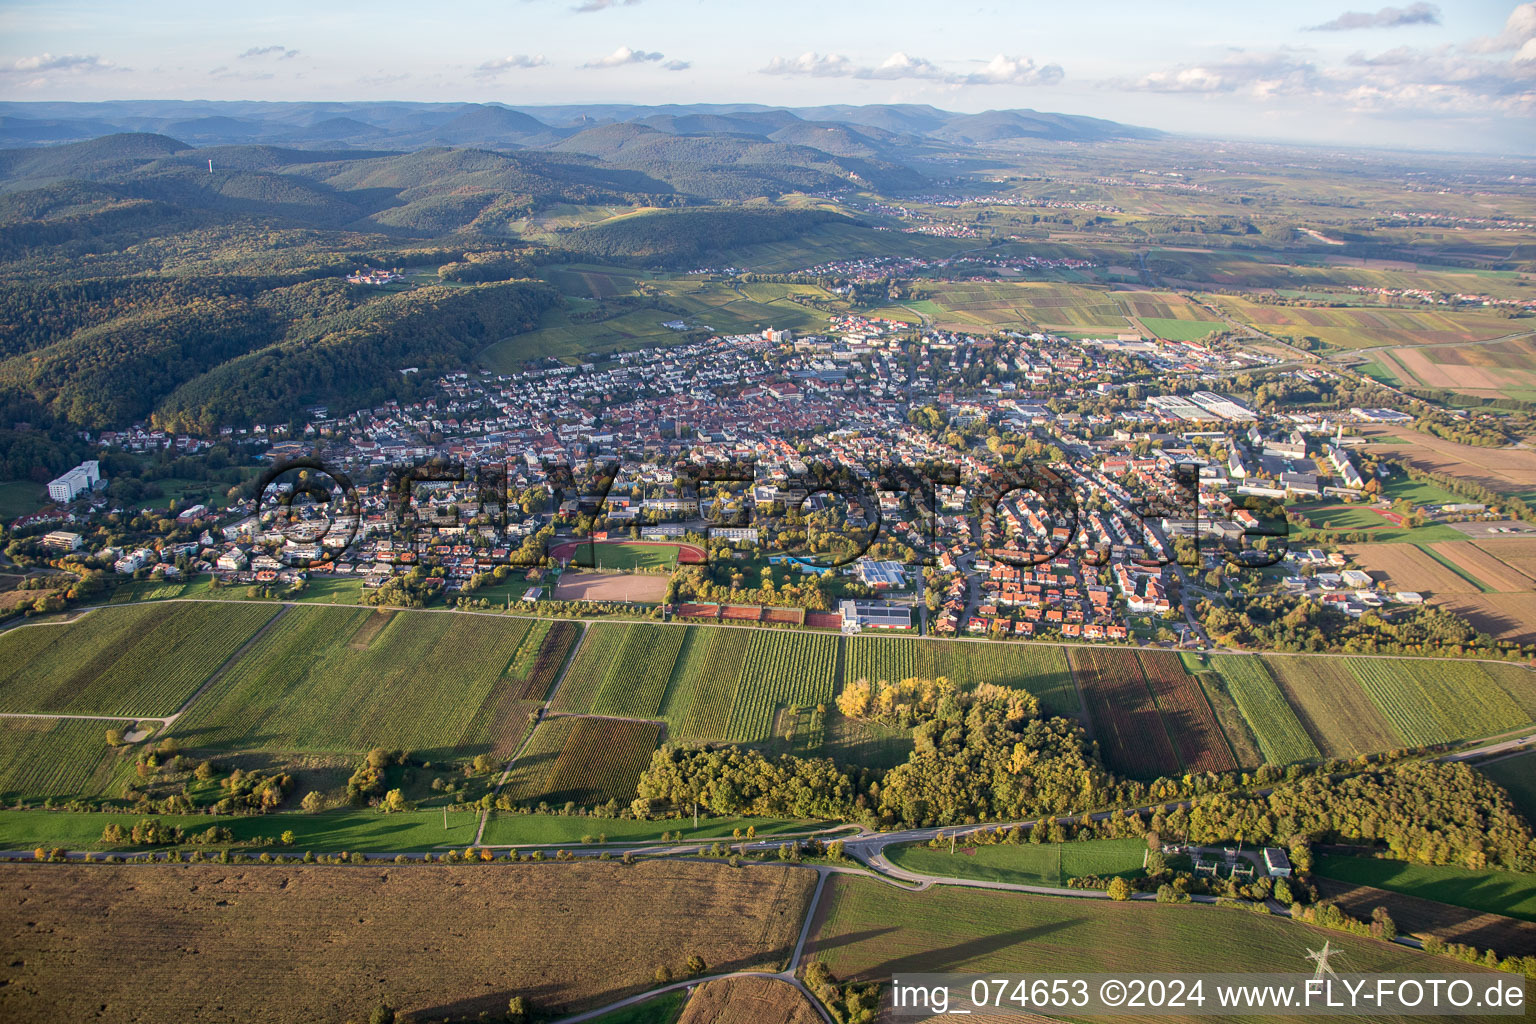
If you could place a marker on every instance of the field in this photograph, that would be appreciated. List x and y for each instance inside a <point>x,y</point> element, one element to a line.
<point>1517,775</point>
<point>1509,470</point>
<point>136,660</point>
<point>1038,668</point>
<point>748,1001</point>
<point>1197,738</point>
<point>1437,701</point>
<point>1420,918</point>
<point>21,497</point>
<point>1364,326</point>
<point>42,757</point>
<point>781,668</point>
<point>1027,863</point>
<point>1280,735</point>
<point>627,555</point>
<point>420,685</point>
<point>1181,330</point>
<point>519,829</point>
<point>637,678</point>
<point>1519,553</point>
<point>131,944</point>
<point>1336,713</point>
<point>609,586</point>
<point>1487,569</point>
<point>1493,892</point>
<point>1407,567</point>
<point>1500,370</point>
<point>586,761</point>
<point>1131,736</point>
<point>1238,733</point>
<point>867,931</point>
<point>697,702</point>
<point>1503,616</point>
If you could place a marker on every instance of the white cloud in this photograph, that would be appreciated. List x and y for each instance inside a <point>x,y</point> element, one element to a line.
<point>624,55</point>
<point>1519,31</point>
<point>1000,70</point>
<point>70,62</point>
<point>515,62</point>
<point>589,6</point>
<point>1387,17</point>
<point>677,65</point>
<point>280,52</point>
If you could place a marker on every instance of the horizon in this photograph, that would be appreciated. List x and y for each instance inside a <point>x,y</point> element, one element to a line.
<point>1405,77</point>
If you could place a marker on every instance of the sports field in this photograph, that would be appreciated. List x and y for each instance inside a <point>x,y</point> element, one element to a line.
<point>627,554</point>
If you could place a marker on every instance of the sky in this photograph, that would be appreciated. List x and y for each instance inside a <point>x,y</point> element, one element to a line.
<point>1414,75</point>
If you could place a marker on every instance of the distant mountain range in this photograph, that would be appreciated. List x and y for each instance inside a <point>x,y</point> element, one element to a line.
<point>889,132</point>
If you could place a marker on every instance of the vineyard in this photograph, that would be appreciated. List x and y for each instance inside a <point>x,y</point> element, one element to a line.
<point>1281,737</point>
<point>1186,715</point>
<point>874,657</point>
<point>781,669</point>
<point>134,660</point>
<point>1126,723</point>
<point>1433,702</point>
<point>583,760</point>
<point>637,678</point>
<point>1039,668</point>
<point>1517,681</point>
<point>66,758</point>
<point>539,657</point>
<point>1332,707</point>
<point>419,686</point>
<point>596,655</point>
<point>697,704</point>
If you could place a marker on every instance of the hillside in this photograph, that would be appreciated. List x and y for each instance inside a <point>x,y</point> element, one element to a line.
<point>682,238</point>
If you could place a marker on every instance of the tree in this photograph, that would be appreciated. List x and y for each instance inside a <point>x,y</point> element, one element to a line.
<point>394,801</point>
<point>114,737</point>
<point>696,964</point>
<point>663,974</point>
<point>517,1010</point>
<point>312,801</point>
<point>382,1014</point>
<point>1119,889</point>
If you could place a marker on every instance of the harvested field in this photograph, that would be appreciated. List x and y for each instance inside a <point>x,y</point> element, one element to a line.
<point>1510,470</point>
<point>1186,714</point>
<point>1519,553</point>
<point>1407,567</point>
<point>137,944</point>
<point>1126,723</point>
<point>748,1001</point>
<point>1335,711</point>
<point>610,586</point>
<point>1486,568</point>
<point>1421,918</point>
<point>1501,616</point>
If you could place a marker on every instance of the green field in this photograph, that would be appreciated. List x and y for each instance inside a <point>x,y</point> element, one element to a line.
<point>20,497</point>
<point>136,660</point>
<point>1280,734</point>
<point>321,680</point>
<point>697,702</point>
<point>869,931</point>
<point>781,668</point>
<point>1338,715</point>
<point>582,761</point>
<point>638,677</point>
<point>1049,864</point>
<point>513,829</point>
<point>630,557</point>
<point>1517,775</point>
<point>1039,668</point>
<point>323,832</point>
<point>1181,330</point>
<point>1437,701</point>
<point>1493,892</point>
<point>60,758</point>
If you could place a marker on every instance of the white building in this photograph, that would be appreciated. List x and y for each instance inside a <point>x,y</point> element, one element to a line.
<point>75,482</point>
